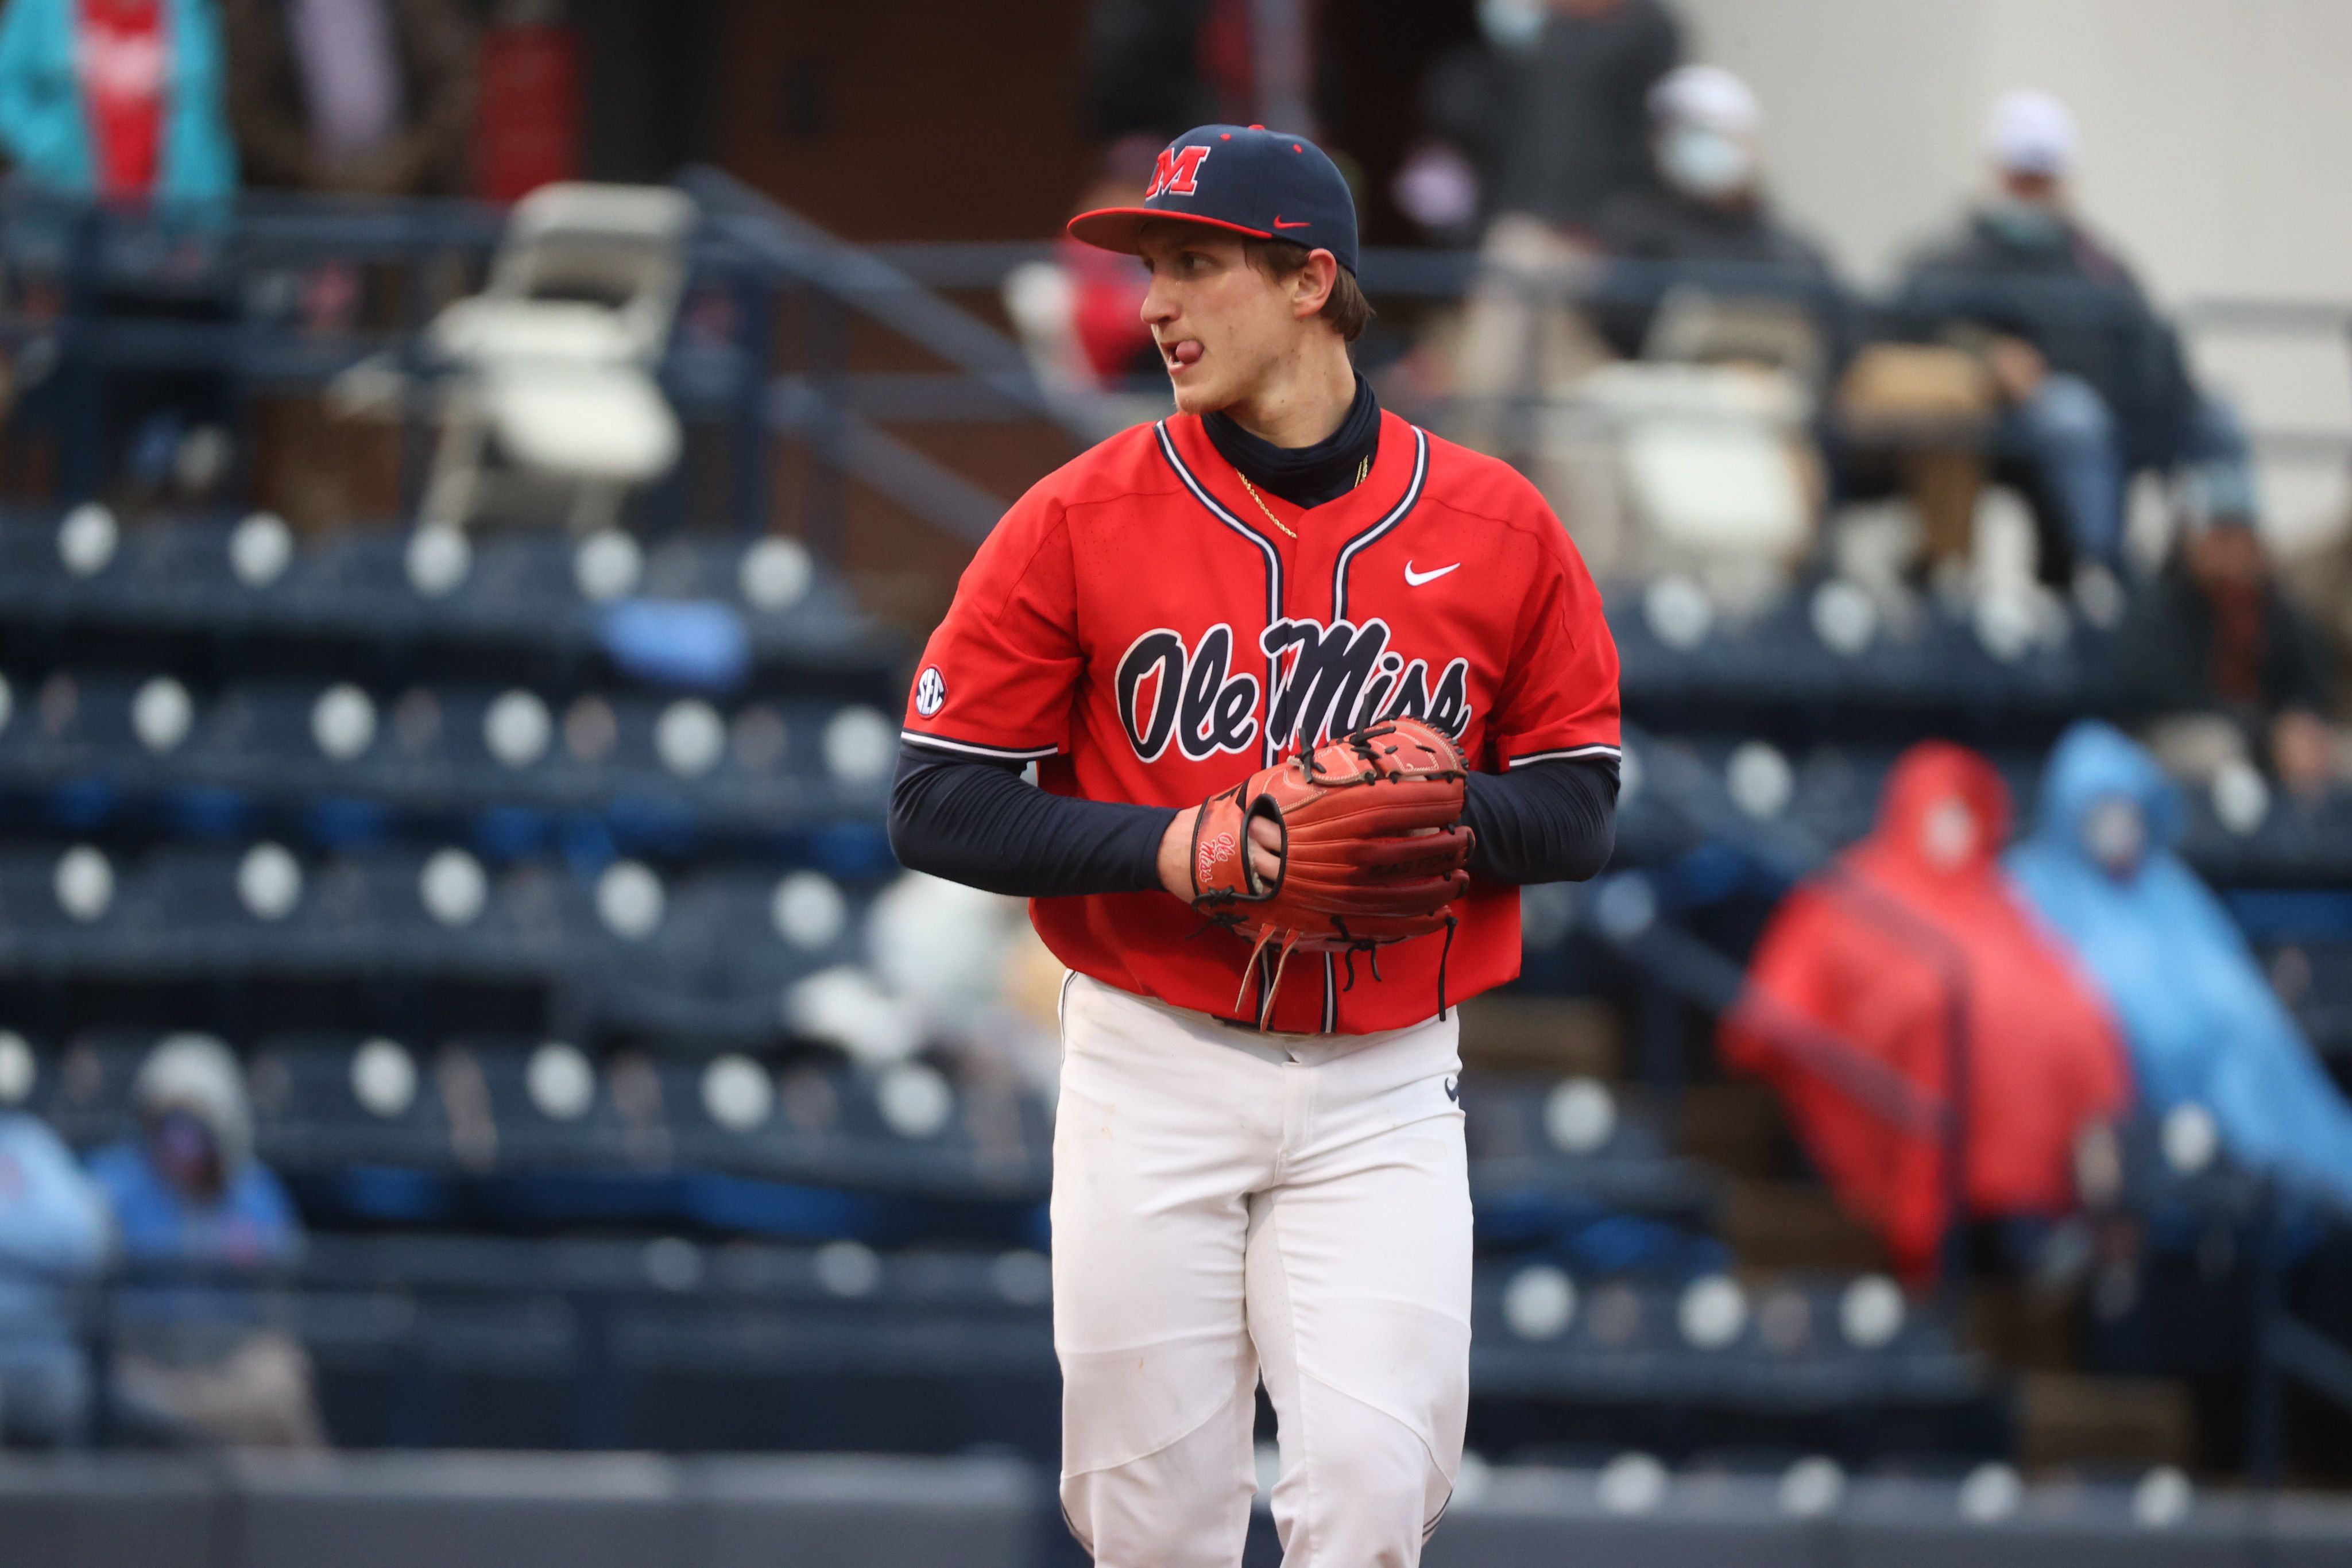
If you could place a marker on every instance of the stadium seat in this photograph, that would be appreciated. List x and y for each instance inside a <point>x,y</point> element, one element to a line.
<point>554,357</point>
<point>1554,1152</point>
<point>2325,1005</point>
<point>323,1100</point>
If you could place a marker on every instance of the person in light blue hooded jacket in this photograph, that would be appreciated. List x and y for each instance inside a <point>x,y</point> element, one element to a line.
<point>2203,1023</point>
<point>53,1237</point>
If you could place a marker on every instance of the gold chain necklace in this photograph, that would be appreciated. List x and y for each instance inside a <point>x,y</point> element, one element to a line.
<point>1363,469</point>
<point>1262,507</point>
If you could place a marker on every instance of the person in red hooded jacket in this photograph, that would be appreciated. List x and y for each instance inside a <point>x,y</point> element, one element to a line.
<point>1875,952</point>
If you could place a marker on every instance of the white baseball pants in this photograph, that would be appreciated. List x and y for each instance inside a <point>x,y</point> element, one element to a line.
<point>1227,1204</point>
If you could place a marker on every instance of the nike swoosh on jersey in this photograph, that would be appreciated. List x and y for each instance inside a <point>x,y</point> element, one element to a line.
<point>1303,223</point>
<point>1415,579</point>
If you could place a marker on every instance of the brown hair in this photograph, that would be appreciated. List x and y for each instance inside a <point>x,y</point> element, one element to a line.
<point>1345,308</point>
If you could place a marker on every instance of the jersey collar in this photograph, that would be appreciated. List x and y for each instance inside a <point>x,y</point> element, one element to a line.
<point>1398,467</point>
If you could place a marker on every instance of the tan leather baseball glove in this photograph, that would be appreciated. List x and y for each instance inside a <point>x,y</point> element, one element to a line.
<point>1373,848</point>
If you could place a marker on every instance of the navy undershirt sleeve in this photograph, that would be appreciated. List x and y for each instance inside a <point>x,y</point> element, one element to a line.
<point>982,824</point>
<point>1548,821</point>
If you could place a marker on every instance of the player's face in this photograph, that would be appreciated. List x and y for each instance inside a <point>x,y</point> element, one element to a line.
<point>1224,329</point>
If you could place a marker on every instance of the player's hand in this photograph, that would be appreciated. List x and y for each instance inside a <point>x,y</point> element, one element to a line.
<point>1176,853</point>
<point>2303,749</point>
<point>2018,368</point>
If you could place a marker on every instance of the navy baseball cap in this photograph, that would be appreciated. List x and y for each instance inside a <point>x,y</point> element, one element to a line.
<point>1265,184</point>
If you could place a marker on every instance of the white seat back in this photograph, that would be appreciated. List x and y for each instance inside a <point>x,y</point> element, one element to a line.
<point>1709,459</point>
<point>616,247</point>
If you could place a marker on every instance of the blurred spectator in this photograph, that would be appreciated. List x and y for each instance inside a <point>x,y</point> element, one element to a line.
<point>1160,66</point>
<point>187,1188</point>
<point>1708,226</point>
<point>2204,1026</point>
<point>2091,376</point>
<point>1107,288</point>
<point>1436,186</point>
<point>370,97</point>
<point>1553,113</point>
<point>52,1238</point>
<point>1080,316</point>
<point>1696,454</point>
<point>2317,580</point>
<point>117,99</point>
<point>1871,952</point>
<point>971,966</point>
<point>528,130</point>
<point>122,100</point>
<point>187,1195</point>
<point>2227,666</point>
<point>364,98</point>
<point>1554,108</point>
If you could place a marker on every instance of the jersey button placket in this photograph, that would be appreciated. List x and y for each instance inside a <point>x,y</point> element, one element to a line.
<point>1287,551</point>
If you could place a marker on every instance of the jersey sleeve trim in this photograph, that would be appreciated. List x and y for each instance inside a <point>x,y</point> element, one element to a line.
<point>974,748</point>
<point>1563,754</point>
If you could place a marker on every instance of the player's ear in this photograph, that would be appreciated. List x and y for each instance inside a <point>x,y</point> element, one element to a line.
<point>1312,283</point>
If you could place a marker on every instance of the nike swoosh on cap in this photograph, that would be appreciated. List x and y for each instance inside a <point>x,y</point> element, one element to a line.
<point>1415,579</point>
<point>1301,224</point>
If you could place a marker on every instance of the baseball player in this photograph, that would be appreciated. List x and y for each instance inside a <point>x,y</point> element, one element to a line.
<point>1277,593</point>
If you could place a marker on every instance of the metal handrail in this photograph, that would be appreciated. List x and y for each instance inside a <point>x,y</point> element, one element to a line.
<point>763,246</point>
<point>2285,1348</point>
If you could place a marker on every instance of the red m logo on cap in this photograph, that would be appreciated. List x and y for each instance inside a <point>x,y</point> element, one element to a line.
<point>1177,169</point>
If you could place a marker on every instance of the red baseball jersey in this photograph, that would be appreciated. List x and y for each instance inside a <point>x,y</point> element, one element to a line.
<point>1138,627</point>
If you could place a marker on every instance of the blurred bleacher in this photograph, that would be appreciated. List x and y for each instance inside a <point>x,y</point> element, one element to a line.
<point>510,916</point>
<point>261,1512</point>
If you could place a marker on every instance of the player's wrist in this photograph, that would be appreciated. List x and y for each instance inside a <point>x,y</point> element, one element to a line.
<point>1176,853</point>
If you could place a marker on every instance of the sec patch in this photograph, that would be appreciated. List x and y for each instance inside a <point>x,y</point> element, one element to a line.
<point>930,691</point>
